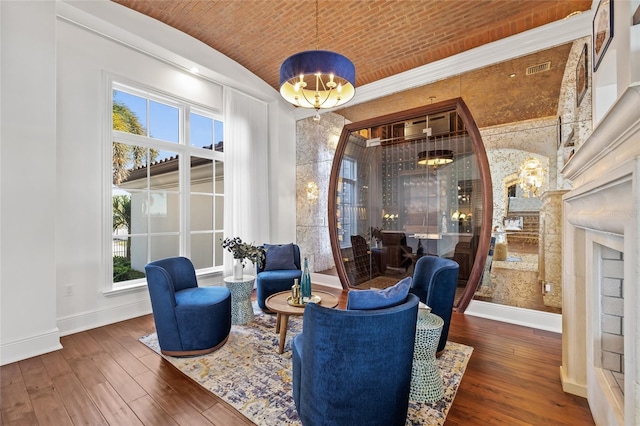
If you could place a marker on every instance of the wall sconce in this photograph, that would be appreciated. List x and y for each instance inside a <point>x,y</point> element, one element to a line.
<point>312,191</point>
<point>531,176</point>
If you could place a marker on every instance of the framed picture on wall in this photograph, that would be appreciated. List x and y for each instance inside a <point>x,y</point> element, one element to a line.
<point>602,31</point>
<point>582,75</point>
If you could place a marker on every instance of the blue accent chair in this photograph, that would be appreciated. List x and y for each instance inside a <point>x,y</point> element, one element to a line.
<point>190,320</point>
<point>271,281</point>
<point>434,281</point>
<point>353,367</point>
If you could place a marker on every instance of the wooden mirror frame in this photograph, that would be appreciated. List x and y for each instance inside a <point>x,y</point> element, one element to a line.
<point>485,181</point>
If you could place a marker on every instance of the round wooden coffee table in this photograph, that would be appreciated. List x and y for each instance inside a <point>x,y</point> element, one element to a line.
<point>278,304</point>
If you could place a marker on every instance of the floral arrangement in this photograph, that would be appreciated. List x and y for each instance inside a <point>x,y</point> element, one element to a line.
<point>376,233</point>
<point>242,251</point>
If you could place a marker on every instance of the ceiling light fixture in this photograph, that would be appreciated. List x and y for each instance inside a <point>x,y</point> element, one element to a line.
<point>438,157</point>
<point>317,79</point>
<point>531,176</point>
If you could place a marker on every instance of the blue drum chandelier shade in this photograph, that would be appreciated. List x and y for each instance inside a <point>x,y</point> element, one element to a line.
<point>317,78</point>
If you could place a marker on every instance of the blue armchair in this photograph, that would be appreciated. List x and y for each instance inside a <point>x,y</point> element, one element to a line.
<point>434,281</point>
<point>353,367</point>
<point>280,268</point>
<point>190,320</point>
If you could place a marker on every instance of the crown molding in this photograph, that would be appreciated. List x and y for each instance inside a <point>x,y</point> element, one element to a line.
<point>537,39</point>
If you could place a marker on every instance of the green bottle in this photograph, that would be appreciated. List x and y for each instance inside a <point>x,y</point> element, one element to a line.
<point>305,282</point>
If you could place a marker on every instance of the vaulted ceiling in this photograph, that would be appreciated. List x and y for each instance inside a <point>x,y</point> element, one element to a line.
<point>381,37</point>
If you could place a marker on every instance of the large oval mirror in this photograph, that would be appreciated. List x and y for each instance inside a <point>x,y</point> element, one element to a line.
<point>406,185</point>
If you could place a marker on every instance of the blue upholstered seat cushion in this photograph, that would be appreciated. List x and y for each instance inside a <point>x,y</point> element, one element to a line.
<point>378,299</point>
<point>279,257</point>
<point>201,296</point>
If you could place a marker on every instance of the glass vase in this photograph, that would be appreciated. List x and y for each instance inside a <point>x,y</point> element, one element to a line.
<point>305,282</point>
<point>238,269</point>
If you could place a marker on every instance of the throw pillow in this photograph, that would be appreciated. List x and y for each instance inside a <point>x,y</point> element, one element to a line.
<point>378,299</point>
<point>279,257</point>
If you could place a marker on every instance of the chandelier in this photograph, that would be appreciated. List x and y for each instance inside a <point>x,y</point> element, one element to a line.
<point>435,158</point>
<point>531,177</point>
<point>317,78</point>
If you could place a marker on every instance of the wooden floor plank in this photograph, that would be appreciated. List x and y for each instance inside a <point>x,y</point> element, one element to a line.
<point>45,400</point>
<point>55,364</point>
<point>15,405</point>
<point>119,379</point>
<point>192,392</point>
<point>10,374</point>
<point>77,402</point>
<point>512,377</point>
<point>222,415</point>
<point>150,413</point>
<point>118,352</point>
<point>107,376</point>
<point>170,400</point>
<point>114,409</point>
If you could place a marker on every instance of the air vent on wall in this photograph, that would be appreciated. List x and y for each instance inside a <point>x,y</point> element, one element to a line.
<point>535,69</point>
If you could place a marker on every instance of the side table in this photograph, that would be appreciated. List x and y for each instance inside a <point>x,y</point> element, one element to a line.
<point>278,304</point>
<point>426,381</point>
<point>241,309</point>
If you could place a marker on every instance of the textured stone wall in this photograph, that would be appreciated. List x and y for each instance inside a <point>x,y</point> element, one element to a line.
<point>550,248</point>
<point>315,148</point>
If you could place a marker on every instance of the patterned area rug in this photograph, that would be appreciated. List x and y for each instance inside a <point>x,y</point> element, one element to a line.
<point>248,373</point>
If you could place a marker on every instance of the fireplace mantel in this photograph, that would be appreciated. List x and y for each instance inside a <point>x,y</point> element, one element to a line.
<point>607,147</point>
<point>602,210</point>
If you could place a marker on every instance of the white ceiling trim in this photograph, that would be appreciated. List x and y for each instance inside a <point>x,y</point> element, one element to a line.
<point>165,43</point>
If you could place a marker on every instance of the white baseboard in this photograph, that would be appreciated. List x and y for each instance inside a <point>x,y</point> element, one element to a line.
<point>88,320</point>
<point>519,316</point>
<point>571,387</point>
<point>28,347</point>
<point>328,280</point>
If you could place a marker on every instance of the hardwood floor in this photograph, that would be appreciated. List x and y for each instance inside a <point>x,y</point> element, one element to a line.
<point>105,376</point>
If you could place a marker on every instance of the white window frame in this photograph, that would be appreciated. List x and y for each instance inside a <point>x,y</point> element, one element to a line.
<point>347,206</point>
<point>183,148</point>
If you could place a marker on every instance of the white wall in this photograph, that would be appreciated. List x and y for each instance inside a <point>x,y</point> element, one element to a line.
<point>53,150</point>
<point>619,66</point>
<point>28,153</point>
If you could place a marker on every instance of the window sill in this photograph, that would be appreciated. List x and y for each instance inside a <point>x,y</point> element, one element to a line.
<point>206,278</point>
<point>123,289</point>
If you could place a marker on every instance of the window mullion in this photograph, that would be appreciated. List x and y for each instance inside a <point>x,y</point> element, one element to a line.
<point>185,186</point>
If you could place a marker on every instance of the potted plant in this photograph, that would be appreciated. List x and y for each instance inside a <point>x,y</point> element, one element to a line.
<point>242,251</point>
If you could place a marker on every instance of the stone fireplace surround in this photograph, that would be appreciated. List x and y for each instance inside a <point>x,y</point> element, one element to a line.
<point>603,211</point>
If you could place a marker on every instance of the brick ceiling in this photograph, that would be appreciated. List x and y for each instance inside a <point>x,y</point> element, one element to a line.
<point>382,38</point>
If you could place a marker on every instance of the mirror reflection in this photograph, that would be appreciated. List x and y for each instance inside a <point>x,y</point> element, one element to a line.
<point>520,115</point>
<point>406,189</point>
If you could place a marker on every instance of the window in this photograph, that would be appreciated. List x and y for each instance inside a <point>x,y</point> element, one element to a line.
<point>167,183</point>
<point>347,205</point>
